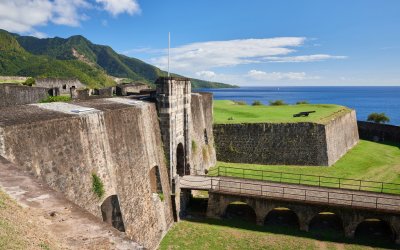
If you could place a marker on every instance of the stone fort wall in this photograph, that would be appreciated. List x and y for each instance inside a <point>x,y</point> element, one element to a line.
<point>378,132</point>
<point>120,143</point>
<point>203,151</point>
<point>64,85</point>
<point>286,143</point>
<point>11,94</point>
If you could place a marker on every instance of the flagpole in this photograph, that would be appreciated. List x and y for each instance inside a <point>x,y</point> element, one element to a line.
<point>169,48</point>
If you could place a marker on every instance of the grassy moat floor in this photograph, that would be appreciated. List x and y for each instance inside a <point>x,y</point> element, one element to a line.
<point>229,112</point>
<point>216,234</point>
<point>366,161</point>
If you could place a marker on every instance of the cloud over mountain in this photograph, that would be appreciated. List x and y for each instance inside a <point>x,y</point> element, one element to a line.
<point>24,16</point>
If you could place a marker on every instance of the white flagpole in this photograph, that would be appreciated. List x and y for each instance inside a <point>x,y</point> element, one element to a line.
<point>169,48</point>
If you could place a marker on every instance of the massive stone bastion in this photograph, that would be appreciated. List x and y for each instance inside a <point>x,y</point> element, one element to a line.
<point>302,143</point>
<point>117,140</point>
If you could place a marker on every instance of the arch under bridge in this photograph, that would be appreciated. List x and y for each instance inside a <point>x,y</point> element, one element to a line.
<point>348,209</point>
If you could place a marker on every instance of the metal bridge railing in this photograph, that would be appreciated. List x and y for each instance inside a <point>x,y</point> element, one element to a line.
<point>327,196</point>
<point>306,179</point>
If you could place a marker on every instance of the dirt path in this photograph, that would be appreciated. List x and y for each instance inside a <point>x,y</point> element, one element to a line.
<point>56,218</point>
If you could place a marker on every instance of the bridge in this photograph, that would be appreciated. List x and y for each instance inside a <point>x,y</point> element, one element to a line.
<point>350,203</point>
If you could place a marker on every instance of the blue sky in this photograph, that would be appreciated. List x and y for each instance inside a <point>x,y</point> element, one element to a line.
<point>253,42</point>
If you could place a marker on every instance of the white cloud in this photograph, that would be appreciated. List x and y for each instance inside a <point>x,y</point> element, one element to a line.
<point>66,12</point>
<point>205,74</point>
<point>24,16</point>
<point>306,58</point>
<point>116,7</point>
<point>277,76</point>
<point>38,34</point>
<point>206,55</point>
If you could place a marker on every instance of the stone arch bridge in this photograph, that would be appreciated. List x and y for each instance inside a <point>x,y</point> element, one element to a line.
<point>352,208</point>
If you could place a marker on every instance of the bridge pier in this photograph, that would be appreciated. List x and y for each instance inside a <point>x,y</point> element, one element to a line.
<point>350,217</point>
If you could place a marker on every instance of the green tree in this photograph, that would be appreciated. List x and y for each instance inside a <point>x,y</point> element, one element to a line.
<point>257,103</point>
<point>378,118</point>
<point>277,103</point>
<point>302,102</point>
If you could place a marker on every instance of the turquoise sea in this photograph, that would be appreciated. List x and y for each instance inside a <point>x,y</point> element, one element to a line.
<point>364,100</point>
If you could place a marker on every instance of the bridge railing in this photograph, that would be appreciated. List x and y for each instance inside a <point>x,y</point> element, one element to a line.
<point>306,179</point>
<point>325,196</point>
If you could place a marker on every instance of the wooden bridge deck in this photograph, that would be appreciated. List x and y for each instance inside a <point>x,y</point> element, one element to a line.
<point>294,192</point>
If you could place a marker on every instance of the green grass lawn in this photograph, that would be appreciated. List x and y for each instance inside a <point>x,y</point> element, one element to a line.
<point>229,112</point>
<point>229,234</point>
<point>366,161</point>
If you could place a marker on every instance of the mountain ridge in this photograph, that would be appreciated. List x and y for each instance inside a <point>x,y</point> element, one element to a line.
<point>100,60</point>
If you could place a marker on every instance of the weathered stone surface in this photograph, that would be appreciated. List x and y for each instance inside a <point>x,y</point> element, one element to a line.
<point>173,104</point>
<point>11,94</point>
<point>287,143</point>
<point>350,217</point>
<point>341,136</point>
<point>120,143</point>
<point>130,88</point>
<point>378,132</point>
<point>203,151</point>
<point>64,85</point>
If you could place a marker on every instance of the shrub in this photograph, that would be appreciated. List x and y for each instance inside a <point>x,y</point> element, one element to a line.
<point>29,82</point>
<point>257,103</point>
<point>240,103</point>
<point>61,98</point>
<point>277,103</point>
<point>378,118</point>
<point>97,186</point>
<point>302,102</point>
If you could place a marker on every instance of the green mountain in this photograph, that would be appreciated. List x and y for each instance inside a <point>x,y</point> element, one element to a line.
<point>16,61</point>
<point>59,57</point>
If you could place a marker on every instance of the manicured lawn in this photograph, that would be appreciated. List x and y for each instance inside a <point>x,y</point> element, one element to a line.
<point>366,161</point>
<point>229,234</point>
<point>229,112</point>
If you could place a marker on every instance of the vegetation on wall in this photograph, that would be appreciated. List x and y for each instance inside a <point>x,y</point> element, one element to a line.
<point>194,146</point>
<point>29,82</point>
<point>97,186</point>
<point>61,98</point>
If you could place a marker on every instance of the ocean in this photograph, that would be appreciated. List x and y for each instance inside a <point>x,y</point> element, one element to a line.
<point>364,100</point>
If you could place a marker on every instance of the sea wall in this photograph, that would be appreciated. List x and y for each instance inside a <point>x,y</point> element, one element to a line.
<point>203,151</point>
<point>11,94</point>
<point>286,143</point>
<point>378,132</point>
<point>119,143</point>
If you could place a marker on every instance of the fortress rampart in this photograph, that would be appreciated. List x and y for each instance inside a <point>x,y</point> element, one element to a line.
<point>302,143</point>
<point>12,94</point>
<point>118,141</point>
<point>203,150</point>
